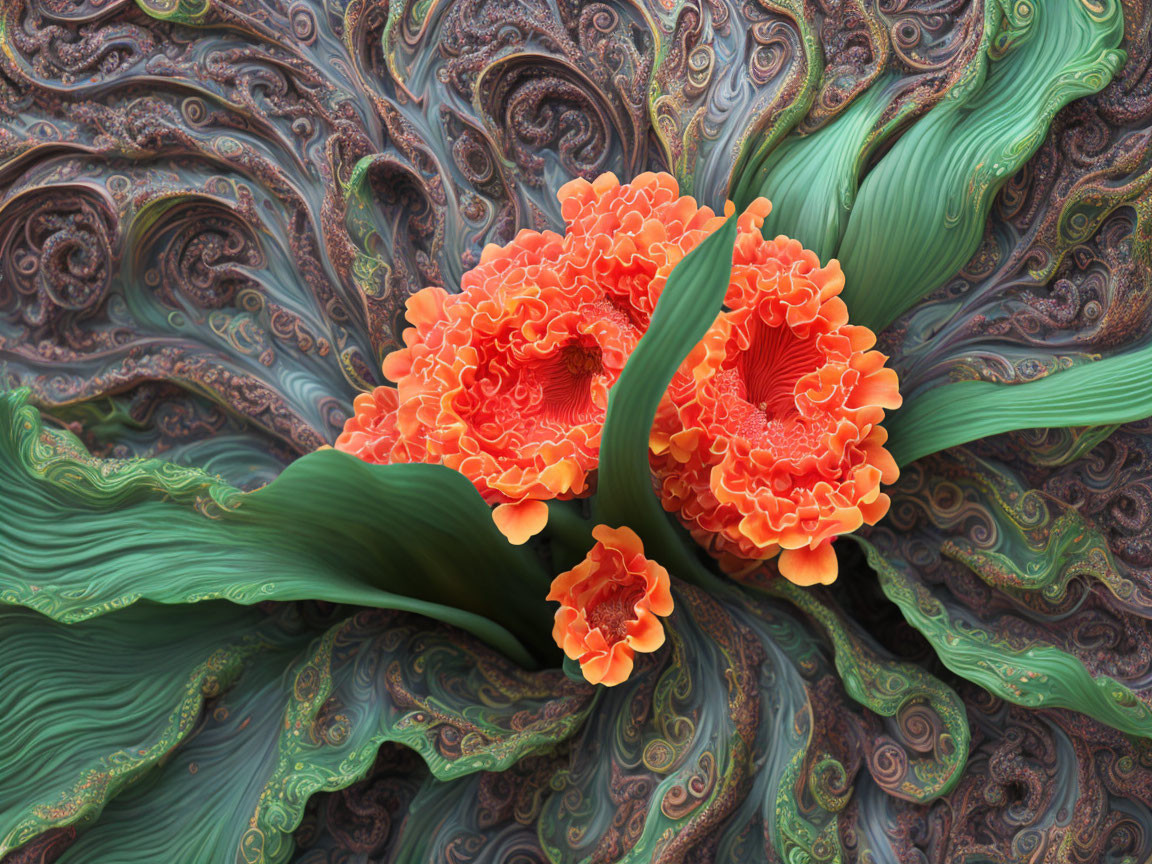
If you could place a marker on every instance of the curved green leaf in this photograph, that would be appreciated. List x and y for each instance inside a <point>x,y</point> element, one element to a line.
<point>686,309</point>
<point>88,708</point>
<point>1113,390</point>
<point>890,688</point>
<point>113,721</point>
<point>1037,676</point>
<point>385,677</point>
<point>84,536</point>
<point>920,212</point>
<point>812,180</point>
<point>1039,544</point>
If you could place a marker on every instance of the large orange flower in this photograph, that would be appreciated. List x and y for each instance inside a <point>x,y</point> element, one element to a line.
<point>608,606</point>
<point>769,435</point>
<point>637,233</point>
<point>507,381</point>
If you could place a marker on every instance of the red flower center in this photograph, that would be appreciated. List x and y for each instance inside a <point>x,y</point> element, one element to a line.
<point>507,380</point>
<point>768,438</point>
<point>770,368</point>
<point>612,612</point>
<point>565,382</point>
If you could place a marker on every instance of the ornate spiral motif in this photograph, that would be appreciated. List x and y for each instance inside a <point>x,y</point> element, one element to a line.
<point>203,256</point>
<point>58,260</point>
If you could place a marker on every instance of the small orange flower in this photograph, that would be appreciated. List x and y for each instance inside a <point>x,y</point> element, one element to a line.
<point>769,435</point>
<point>507,381</point>
<point>608,606</point>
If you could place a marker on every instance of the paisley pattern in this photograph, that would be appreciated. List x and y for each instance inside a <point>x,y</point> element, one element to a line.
<point>211,213</point>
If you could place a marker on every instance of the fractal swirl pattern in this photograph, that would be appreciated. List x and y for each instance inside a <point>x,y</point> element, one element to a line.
<point>524,432</point>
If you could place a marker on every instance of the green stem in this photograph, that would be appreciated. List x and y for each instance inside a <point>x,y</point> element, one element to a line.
<point>688,305</point>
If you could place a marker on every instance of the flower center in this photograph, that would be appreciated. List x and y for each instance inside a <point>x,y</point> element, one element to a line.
<point>565,380</point>
<point>581,360</point>
<point>612,614</point>
<point>775,360</point>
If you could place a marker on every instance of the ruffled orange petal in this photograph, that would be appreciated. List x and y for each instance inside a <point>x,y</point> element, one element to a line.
<point>659,590</point>
<point>425,307</point>
<point>561,632</point>
<point>647,634</point>
<point>619,665</point>
<point>507,381</point>
<point>595,668</point>
<point>807,566</point>
<point>877,510</point>
<point>397,364</point>
<point>623,539</point>
<point>768,435</point>
<point>521,522</point>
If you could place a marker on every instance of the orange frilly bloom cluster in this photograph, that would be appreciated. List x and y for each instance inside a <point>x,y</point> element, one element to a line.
<point>608,606</point>
<point>768,438</point>
<point>767,441</point>
<point>507,381</point>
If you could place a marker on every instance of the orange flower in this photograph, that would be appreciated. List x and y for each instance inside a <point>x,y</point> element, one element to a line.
<point>507,381</point>
<point>634,235</point>
<point>371,431</point>
<point>608,606</point>
<point>769,435</point>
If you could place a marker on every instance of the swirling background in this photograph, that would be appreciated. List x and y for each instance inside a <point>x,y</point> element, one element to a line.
<point>211,212</point>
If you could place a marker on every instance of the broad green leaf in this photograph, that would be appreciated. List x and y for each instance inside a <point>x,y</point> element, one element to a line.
<point>83,536</point>
<point>113,721</point>
<point>197,806</point>
<point>811,180</point>
<point>921,210</point>
<point>686,309</point>
<point>234,453</point>
<point>88,708</point>
<point>1117,389</point>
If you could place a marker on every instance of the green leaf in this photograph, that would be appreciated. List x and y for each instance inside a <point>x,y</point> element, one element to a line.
<point>1037,676</point>
<point>981,564</point>
<point>811,180</point>
<point>88,708</point>
<point>1114,390</point>
<point>112,721</point>
<point>686,309</point>
<point>892,689</point>
<point>1039,545</point>
<point>84,536</point>
<point>920,212</point>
